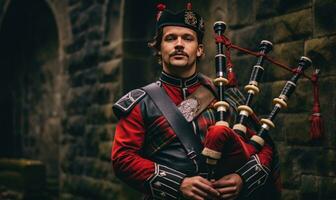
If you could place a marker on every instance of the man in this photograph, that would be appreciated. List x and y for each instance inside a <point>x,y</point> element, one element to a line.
<point>147,153</point>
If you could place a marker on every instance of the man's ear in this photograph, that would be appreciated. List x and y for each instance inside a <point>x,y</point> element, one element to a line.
<point>200,50</point>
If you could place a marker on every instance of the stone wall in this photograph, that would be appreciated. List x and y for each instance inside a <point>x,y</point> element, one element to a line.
<point>102,54</point>
<point>94,59</point>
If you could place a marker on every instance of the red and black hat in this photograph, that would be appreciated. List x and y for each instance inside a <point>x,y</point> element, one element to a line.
<point>185,18</point>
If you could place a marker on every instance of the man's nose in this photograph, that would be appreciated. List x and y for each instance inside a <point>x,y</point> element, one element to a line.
<point>179,43</point>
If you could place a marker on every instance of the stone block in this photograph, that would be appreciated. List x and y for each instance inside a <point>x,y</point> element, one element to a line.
<point>296,129</point>
<point>95,115</point>
<point>249,37</point>
<point>81,24</point>
<point>325,17</point>
<point>84,77</point>
<point>106,93</point>
<point>68,153</point>
<point>265,8</point>
<point>328,188</point>
<point>95,34</point>
<point>322,51</point>
<point>288,161</point>
<point>76,45</point>
<point>11,179</point>
<point>76,125</point>
<point>105,150</point>
<point>109,71</point>
<point>78,100</point>
<point>74,13</point>
<point>309,188</point>
<point>293,26</point>
<point>89,187</point>
<point>241,12</point>
<point>91,55</point>
<point>286,53</point>
<point>297,160</point>
<point>302,98</point>
<point>28,176</point>
<point>91,143</point>
<point>68,196</point>
<point>113,51</point>
<point>111,128</point>
<point>290,194</point>
<point>285,6</point>
<point>73,2</point>
<point>95,14</point>
<point>7,193</point>
<point>279,133</point>
<point>103,132</point>
<point>86,4</point>
<point>96,168</point>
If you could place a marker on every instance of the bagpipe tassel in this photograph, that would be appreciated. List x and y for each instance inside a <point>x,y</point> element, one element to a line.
<point>316,129</point>
<point>231,77</point>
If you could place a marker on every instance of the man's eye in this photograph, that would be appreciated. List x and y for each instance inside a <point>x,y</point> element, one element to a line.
<point>189,38</point>
<point>169,38</point>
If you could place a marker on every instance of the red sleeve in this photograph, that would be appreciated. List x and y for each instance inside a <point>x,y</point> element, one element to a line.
<point>266,153</point>
<point>127,162</point>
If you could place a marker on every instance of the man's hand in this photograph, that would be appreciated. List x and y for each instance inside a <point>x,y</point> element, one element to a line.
<point>198,188</point>
<point>229,186</point>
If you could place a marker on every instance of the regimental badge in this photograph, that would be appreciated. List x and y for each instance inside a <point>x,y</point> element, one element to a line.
<point>190,18</point>
<point>189,108</point>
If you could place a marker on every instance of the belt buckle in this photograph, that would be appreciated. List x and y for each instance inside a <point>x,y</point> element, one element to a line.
<point>192,154</point>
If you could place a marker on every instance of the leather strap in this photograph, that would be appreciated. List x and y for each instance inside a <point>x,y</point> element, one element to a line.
<point>179,124</point>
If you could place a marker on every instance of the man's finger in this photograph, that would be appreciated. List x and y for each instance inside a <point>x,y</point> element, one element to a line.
<point>199,192</point>
<point>227,190</point>
<point>224,183</point>
<point>207,189</point>
<point>193,196</point>
<point>205,181</point>
<point>229,196</point>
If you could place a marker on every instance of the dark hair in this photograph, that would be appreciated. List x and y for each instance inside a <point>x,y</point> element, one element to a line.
<point>155,43</point>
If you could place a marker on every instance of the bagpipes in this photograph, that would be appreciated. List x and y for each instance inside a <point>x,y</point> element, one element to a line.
<point>229,147</point>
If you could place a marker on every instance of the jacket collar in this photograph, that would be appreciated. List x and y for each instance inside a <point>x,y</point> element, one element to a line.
<point>179,82</point>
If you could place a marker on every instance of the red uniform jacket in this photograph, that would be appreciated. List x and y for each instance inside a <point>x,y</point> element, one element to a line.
<point>140,137</point>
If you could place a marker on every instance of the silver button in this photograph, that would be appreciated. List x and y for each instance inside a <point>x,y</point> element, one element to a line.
<point>163,194</point>
<point>157,184</point>
<point>163,174</point>
<point>257,168</point>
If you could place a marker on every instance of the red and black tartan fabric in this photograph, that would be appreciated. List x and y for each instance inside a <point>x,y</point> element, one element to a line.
<point>142,134</point>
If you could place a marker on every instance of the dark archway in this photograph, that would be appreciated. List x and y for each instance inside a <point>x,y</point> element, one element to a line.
<point>30,100</point>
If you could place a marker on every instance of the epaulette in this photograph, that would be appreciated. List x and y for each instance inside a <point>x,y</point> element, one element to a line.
<point>126,103</point>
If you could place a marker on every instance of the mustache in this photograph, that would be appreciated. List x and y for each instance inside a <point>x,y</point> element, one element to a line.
<point>178,53</point>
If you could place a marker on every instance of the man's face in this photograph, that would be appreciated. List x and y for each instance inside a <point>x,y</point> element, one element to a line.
<point>179,48</point>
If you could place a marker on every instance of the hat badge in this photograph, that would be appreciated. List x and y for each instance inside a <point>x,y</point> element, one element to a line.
<point>190,18</point>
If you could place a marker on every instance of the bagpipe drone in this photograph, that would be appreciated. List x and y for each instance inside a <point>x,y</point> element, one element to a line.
<point>229,146</point>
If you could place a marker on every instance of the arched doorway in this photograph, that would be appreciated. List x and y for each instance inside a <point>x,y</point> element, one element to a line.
<point>30,121</point>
